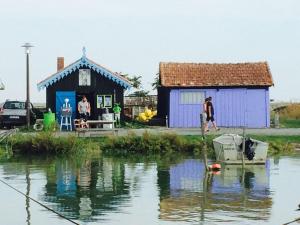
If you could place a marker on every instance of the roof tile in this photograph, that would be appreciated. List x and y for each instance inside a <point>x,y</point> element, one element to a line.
<point>205,74</point>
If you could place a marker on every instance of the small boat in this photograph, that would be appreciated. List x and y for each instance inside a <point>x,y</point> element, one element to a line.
<point>228,150</point>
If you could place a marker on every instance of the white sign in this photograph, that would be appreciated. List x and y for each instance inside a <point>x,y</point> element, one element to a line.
<point>84,77</point>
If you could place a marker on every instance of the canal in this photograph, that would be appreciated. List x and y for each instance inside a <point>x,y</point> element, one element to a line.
<point>138,190</point>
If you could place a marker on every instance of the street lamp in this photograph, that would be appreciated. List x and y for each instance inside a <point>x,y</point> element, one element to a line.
<point>27,47</point>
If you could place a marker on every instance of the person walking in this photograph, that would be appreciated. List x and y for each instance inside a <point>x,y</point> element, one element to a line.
<point>210,114</point>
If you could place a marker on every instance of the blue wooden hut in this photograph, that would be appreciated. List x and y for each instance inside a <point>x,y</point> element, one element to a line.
<point>84,77</point>
<point>240,93</point>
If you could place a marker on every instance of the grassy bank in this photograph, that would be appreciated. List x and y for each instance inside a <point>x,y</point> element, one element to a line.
<point>147,144</point>
<point>48,143</point>
<point>153,144</point>
<point>289,123</point>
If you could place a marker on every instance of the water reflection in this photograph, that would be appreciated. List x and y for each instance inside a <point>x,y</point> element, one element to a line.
<point>231,195</point>
<point>98,189</point>
<point>27,203</point>
<point>89,189</point>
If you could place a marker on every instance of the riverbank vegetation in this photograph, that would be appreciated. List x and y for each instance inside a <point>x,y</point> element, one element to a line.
<point>152,144</point>
<point>147,144</point>
<point>48,143</point>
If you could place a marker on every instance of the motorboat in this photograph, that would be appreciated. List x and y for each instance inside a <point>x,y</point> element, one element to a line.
<point>229,150</point>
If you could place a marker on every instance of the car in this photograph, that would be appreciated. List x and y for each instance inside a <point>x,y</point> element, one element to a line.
<point>13,113</point>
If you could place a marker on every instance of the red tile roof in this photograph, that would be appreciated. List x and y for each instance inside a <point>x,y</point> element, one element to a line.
<point>212,75</point>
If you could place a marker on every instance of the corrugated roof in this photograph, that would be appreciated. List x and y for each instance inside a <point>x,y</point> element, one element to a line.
<point>212,75</point>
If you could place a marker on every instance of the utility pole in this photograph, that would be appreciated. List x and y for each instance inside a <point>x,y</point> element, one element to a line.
<point>27,47</point>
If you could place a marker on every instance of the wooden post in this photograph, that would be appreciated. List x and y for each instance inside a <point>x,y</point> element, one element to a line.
<point>243,148</point>
<point>202,126</point>
<point>204,150</point>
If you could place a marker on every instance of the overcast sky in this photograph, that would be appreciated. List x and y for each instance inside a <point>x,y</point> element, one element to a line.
<point>133,36</point>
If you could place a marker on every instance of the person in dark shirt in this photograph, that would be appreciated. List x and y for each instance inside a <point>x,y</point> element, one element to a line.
<point>210,114</point>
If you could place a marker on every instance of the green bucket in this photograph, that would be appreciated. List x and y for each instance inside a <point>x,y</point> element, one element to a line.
<point>49,121</point>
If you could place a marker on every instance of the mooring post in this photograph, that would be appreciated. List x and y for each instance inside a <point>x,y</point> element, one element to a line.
<point>202,126</point>
<point>204,142</point>
<point>243,148</point>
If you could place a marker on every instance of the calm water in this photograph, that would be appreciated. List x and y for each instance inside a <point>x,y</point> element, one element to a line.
<point>121,191</point>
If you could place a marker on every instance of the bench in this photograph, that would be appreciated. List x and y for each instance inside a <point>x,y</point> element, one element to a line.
<point>100,122</point>
<point>82,127</point>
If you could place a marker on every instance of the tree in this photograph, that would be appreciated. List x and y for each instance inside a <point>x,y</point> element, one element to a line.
<point>139,93</point>
<point>156,82</point>
<point>135,80</point>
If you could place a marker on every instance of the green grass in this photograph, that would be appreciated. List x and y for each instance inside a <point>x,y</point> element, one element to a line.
<point>277,138</point>
<point>290,123</point>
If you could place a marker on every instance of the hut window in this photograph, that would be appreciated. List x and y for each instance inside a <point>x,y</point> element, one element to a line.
<point>191,97</point>
<point>104,101</point>
<point>84,77</point>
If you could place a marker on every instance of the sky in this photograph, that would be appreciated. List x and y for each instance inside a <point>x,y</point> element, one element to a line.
<point>133,36</point>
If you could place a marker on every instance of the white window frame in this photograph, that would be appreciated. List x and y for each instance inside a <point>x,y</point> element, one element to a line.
<point>191,97</point>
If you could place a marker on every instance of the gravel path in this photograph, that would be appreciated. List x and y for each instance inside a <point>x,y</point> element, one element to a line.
<point>195,131</point>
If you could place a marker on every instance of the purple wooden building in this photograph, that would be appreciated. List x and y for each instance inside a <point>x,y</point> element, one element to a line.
<point>240,93</point>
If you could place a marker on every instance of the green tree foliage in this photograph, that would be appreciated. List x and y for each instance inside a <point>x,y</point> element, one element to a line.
<point>156,82</point>
<point>140,93</point>
<point>136,81</point>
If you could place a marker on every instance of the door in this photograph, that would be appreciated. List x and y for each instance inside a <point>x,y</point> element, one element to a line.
<point>60,100</point>
<point>91,99</point>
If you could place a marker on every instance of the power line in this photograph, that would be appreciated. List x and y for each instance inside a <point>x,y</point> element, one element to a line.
<point>41,204</point>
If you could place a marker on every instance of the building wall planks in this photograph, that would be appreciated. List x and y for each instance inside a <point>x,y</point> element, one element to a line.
<point>234,107</point>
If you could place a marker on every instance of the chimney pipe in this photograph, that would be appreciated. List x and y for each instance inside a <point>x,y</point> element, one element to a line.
<point>60,63</point>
